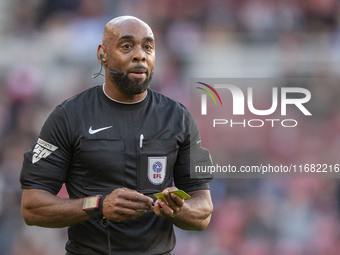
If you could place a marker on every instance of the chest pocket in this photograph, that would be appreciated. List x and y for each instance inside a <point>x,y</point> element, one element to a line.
<point>156,163</point>
<point>101,163</point>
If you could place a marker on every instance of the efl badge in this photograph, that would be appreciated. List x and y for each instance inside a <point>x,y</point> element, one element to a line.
<point>156,169</point>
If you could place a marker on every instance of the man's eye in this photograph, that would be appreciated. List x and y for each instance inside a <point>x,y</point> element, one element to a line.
<point>148,47</point>
<point>126,46</point>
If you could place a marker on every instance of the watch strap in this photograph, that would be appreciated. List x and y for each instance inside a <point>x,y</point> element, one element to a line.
<point>96,213</point>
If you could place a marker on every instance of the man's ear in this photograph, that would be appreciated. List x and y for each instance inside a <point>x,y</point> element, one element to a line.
<point>101,54</point>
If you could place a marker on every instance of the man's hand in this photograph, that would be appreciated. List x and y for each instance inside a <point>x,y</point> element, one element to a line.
<point>170,205</point>
<point>124,204</point>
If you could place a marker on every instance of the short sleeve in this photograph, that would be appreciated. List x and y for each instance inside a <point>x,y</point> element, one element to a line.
<point>191,154</point>
<point>45,166</point>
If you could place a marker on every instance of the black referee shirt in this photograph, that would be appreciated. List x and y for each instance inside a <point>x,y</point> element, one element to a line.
<point>96,145</point>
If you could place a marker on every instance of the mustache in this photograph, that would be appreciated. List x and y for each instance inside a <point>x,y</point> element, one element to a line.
<point>139,68</point>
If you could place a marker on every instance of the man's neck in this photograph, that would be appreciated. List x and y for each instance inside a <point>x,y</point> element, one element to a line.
<point>114,94</point>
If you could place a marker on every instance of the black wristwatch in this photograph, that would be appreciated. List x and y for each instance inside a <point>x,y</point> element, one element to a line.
<point>93,206</point>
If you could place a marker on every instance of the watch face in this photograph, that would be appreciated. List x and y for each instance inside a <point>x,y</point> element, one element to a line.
<point>91,203</point>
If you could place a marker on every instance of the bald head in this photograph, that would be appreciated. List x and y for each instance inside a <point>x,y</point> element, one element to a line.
<point>117,27</point>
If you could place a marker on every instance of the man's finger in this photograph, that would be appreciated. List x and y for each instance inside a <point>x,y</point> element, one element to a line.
<point>166,209</point>
<point>179,201</point>
<point>135,196</point>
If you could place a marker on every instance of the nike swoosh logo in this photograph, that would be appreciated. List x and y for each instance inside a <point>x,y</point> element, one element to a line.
<point>93,131</point>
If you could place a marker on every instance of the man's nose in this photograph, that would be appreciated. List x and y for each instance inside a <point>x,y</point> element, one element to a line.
<point>138,54</point>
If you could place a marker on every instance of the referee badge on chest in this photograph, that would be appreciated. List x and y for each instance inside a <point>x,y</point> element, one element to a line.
<point>156,169</point>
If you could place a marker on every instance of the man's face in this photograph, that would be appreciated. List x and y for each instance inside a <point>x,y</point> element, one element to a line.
<point>132,51</point>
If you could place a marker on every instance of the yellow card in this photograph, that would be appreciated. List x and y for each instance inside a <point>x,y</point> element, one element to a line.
<point>182,194</point>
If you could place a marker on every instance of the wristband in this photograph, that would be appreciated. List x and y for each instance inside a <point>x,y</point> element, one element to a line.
<point>174,215</point>
<point>93,206</point>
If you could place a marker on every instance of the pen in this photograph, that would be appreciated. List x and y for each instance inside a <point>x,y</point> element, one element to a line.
<point>141,141</point>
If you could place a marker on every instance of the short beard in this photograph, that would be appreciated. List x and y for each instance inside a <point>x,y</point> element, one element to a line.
<point>128,87</point>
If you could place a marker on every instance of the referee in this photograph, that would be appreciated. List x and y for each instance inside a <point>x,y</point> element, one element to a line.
<point>114,146</point>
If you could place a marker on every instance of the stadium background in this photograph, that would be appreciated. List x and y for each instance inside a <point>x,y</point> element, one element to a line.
<point>48,53</point>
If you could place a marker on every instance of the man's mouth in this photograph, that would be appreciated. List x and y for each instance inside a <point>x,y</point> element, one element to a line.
<point>138,73</point>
